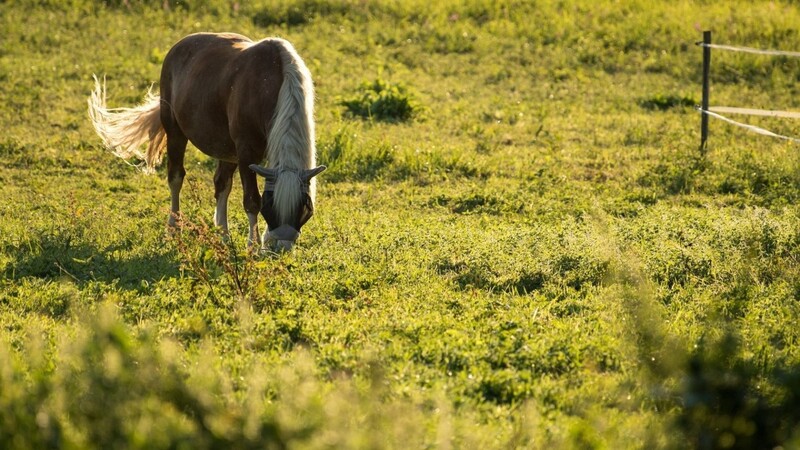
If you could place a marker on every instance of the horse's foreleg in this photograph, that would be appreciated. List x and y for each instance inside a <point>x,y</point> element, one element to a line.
<point>223,180</point>
<point>252,202</point>
<point>176,148</point>
<point>253,239</point>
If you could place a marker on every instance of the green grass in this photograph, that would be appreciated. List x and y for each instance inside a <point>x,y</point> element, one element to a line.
<point>517,243</point>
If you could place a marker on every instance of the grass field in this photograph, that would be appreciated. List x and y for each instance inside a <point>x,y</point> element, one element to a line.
<point>517,243</point>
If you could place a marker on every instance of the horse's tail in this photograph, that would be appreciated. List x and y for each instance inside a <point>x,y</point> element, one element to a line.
<point>124,130</point>
<point>291,138</point>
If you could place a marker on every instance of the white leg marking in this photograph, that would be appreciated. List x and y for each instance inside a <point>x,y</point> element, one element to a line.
<point>221,212</point>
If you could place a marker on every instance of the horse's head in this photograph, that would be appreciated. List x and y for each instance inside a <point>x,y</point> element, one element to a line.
<point>287,203</point>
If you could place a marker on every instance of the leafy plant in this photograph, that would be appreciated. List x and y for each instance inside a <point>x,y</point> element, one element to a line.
<point>382,101</point>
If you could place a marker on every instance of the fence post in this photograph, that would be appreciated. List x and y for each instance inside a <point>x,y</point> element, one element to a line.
<point>704,105</point>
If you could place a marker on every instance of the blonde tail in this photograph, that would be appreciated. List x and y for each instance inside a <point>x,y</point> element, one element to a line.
<point>124,130</point>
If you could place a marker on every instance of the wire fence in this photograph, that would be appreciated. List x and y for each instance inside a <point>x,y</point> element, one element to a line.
<point>716,111</point>
<point>756,51</point>
<point>752,128</point>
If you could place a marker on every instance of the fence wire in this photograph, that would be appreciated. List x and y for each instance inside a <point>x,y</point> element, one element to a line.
<point>756,51</point>
<point>755,112</point>
<point>752,128</point>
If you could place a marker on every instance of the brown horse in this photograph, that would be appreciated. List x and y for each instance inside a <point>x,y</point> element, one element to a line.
<point>240,102</point>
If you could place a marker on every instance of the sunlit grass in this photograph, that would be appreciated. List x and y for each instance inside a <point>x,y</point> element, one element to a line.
<point>517,243</point>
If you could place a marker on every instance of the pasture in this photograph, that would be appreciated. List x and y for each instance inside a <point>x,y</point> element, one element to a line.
<point>517,243</point>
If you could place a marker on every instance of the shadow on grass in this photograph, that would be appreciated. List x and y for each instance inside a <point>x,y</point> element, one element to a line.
<point>56,257</point>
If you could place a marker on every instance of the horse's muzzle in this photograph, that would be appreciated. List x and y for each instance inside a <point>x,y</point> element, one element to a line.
<point>282,239</point>
<point>281,246</point>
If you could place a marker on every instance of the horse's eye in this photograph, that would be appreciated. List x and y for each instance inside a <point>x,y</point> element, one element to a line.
<point>268,210</point>
<point>306,211</point>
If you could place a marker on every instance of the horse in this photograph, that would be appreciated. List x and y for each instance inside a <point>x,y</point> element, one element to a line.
<point>240,102</point>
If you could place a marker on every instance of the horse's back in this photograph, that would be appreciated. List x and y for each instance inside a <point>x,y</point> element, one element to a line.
<point>222,90</point>
<point>195,82</point>
<point>195,48</point>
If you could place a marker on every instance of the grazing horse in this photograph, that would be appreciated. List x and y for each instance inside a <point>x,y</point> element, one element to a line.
<point>240,102</point>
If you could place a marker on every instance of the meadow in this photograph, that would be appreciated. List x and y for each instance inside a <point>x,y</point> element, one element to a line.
<point>517,244</point>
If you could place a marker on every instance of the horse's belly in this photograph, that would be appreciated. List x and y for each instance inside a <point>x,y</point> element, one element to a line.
<point>205,133</point>
<point>221,149</point>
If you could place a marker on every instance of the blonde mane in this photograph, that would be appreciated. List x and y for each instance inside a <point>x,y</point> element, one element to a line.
<point>291,143</point>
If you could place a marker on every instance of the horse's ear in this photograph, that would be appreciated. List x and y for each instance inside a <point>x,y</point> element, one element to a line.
<point>311,173</point>
<point>263,171</point>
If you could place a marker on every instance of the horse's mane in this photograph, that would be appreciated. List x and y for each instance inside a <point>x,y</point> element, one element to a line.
<point>291,139</point>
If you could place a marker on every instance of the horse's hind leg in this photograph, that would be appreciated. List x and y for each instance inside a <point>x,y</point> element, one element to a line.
<point>223,180</point>
<point>176,148</point>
